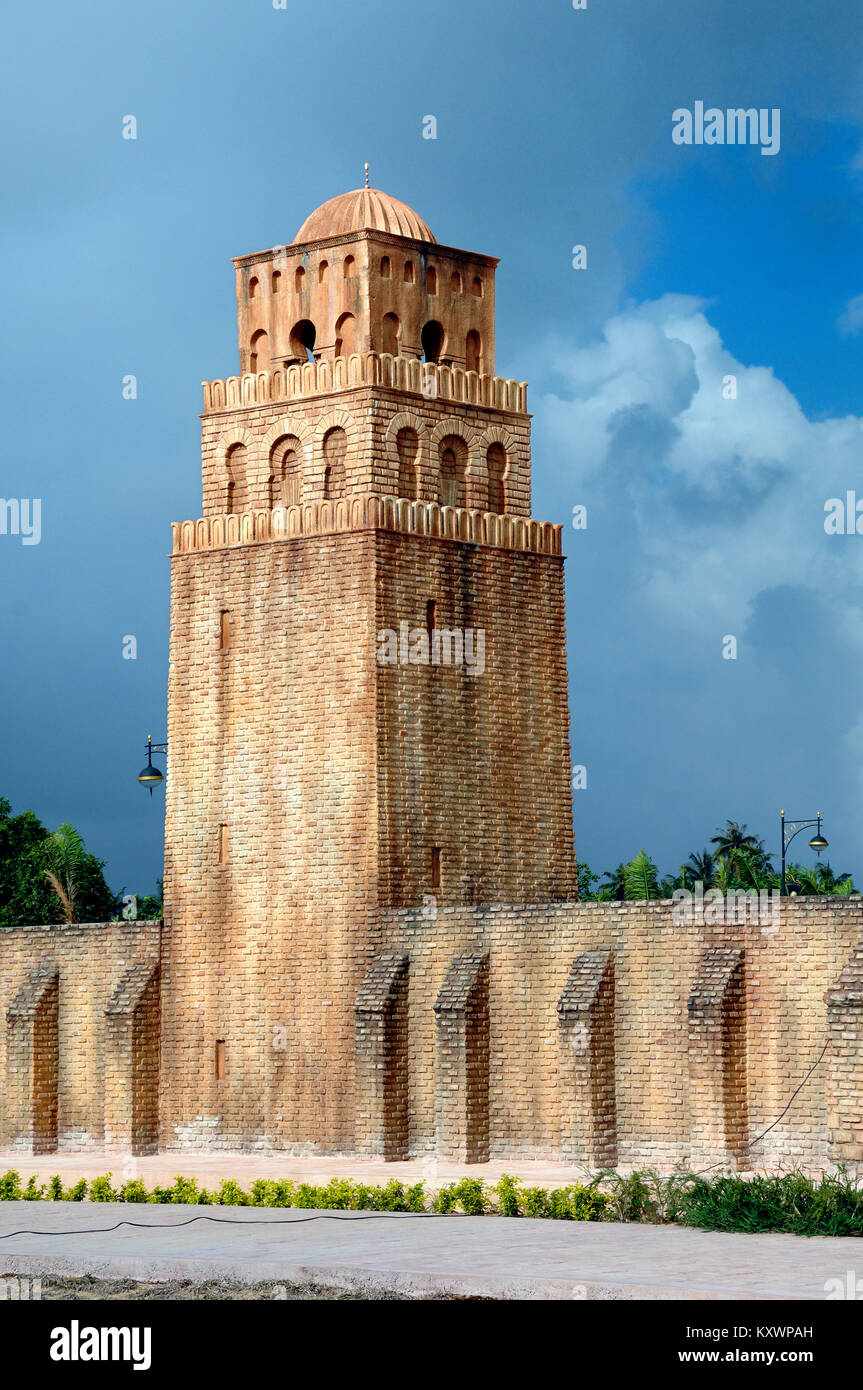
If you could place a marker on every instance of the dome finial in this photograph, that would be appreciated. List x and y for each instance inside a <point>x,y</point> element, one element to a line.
<point>366,167</point>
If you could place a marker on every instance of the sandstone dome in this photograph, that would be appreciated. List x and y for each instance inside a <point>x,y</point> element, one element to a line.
<point>363,209</point>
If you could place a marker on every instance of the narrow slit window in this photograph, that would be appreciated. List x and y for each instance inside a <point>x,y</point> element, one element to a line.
<point>220,1059</point>
<point>224,629</point>
<point>435,866</point>
<point>223,844</point>
<point>431,616</point>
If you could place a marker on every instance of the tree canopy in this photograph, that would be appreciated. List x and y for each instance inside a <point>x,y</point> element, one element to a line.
<point>49,876</point>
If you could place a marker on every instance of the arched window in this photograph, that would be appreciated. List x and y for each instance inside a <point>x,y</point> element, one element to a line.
<point>455,282</point>
<point>335,449</point>
<point>276,281</point>
<point>453,470</point>
<point>302,341</point>
<point>431,280</point>
<point>324,273</point>
<point>409,272</point>
<point>237,499</point>
<point>473,352</point>
<point>432,341</point>
<point>477,287</point>
<point>253,287</point>
<point>286,471</point>
<point>259,352</point>
<point>390,334</point>
<point>350,267</point>
<point>408,446</point>
<point>299,280</point>
<point>346,335</point>
<point>496,462</point>
<point>385,267</point>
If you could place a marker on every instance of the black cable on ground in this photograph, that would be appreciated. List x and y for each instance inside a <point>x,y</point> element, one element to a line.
<point>227,1221</point>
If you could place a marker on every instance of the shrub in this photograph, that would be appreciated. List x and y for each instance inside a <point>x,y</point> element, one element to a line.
<point>10,1186</point>
<point>102,1191</point>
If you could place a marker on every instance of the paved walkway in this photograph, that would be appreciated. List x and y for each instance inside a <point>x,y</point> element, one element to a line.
<point>492,1256</point>
<point>211,1168</point>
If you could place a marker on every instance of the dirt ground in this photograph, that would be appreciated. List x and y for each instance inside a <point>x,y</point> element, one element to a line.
<point>179,1290</point>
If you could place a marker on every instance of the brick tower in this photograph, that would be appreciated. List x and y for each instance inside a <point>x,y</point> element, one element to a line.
<point>367,699</point>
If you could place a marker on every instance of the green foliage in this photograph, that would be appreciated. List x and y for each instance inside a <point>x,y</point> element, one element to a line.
<point>791,1202</point>
<point>101,1190</point>
<point>28,851</point>
<point>614,887</point>
<point>586,879</point>
<point>10,1186</point>
<point>577,1202</point>
<point>641,878</point>
<point>470,1194</point>
<point>134,1191</point>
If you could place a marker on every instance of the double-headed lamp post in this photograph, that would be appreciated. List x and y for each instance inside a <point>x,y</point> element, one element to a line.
<point>792,828</point>
<point>150,776</point>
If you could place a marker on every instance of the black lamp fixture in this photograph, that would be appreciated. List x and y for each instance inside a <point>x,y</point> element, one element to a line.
<point>793,828</point>
<point>150,776</point>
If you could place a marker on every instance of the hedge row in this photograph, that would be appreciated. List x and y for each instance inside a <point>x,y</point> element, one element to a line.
<point>832,1205</point>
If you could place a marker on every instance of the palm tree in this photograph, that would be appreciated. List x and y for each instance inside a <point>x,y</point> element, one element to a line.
<point>701,868</point>
<point>753,870</point>
<point>65,855</point>
<point>828,882</point>
<point>735,842</point>
<point>614,886</point>
<point>641,878</point>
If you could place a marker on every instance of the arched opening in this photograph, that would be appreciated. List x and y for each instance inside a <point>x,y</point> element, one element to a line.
<point>286,476</point>
<point>473,352</point>
<point>237,497</point>
<point>385,267</point>
<point>276,281</point>
<point>453,471</point>
<point>390,334</point>
<point>299,280</point>
<point>477,287</point>
<point>259,352</point>
<point>432,341</point>
<point>335,450</point>
<point>346,335</point>
<point>431,280</point>
<point>409,272</point>
<point>350,267</point>
<point>324,273</point>
<point>302,341</point>
<point>496,462</point>
<point>408,447</point>
<point>253,287</point>
<point>455,282</point>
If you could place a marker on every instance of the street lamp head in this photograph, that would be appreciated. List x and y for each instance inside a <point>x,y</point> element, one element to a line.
<point>150,776</point>
<point>818,842</point>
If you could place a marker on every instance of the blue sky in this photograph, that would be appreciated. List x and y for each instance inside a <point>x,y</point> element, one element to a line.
<point>554,128</point>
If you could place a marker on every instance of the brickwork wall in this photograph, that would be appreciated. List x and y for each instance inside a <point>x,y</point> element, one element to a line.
<point>476,765</point>
<point>56,984</point>
<point>273,739</point>
<point>670,1106</point>
<point>371,418</point>
<point>334,776</point>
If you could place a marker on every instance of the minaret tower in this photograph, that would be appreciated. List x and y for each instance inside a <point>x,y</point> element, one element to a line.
<point>367,699</point>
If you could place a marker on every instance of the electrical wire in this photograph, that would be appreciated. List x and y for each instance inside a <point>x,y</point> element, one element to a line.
<point>226,1221</point>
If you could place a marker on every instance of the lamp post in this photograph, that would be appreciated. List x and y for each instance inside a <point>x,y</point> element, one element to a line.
<point>792,828</point>
<point>150,776</point>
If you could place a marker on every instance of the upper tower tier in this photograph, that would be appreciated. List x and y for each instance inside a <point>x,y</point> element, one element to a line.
<point>365,274</point>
